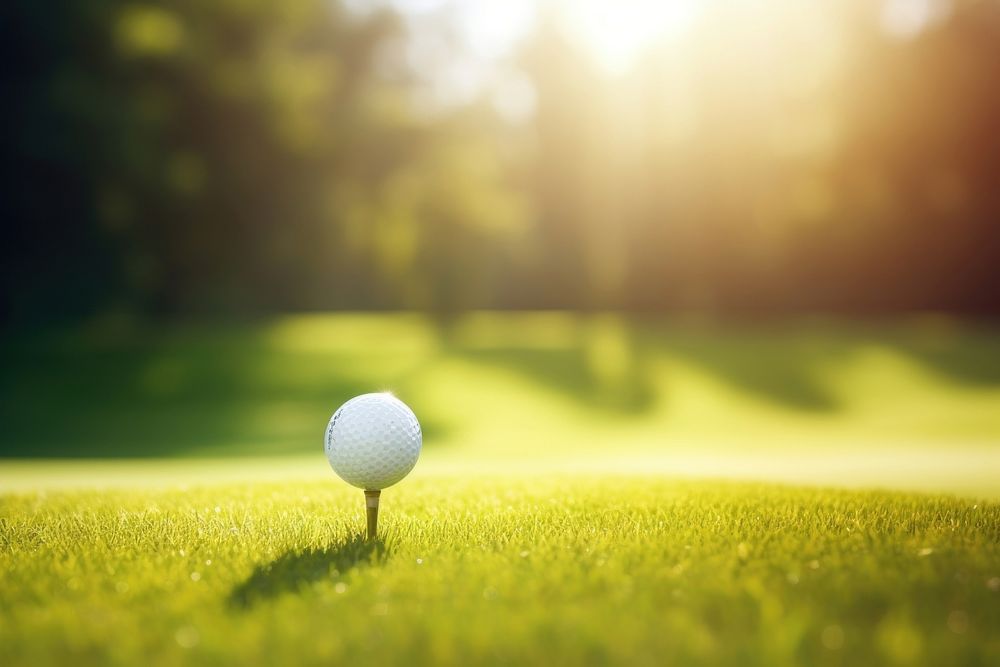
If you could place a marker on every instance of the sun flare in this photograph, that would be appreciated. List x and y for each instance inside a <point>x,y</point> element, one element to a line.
<point>616,33</point>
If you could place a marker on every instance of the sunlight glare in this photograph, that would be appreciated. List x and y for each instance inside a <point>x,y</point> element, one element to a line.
<point>618,32</point>
<point>907,18</point>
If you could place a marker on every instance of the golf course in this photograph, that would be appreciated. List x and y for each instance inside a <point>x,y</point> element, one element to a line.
<point>501,569</point>
<point>513,333</point>
<point>592,489</point>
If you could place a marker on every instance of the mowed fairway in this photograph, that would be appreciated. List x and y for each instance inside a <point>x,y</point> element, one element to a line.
<point>499,569</point>
<point>562,511</point>
<point>495,386</point>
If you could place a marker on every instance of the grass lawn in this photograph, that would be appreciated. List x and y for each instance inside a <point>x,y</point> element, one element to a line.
<point>556,516</point>
<point>499,569</point>
<point>503,385</point>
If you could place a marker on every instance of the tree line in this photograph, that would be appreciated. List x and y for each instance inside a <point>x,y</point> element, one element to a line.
<point>234,158</point>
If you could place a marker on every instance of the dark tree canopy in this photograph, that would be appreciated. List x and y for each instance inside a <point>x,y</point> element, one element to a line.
<point>232,158</point>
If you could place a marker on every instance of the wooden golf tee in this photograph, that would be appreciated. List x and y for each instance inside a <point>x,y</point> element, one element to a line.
<point>371,505</point>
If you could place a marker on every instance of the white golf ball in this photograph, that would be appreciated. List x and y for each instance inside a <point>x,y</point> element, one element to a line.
<point>373,441</point>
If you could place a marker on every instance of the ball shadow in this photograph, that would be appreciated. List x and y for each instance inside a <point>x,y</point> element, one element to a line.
<point>295,570</point>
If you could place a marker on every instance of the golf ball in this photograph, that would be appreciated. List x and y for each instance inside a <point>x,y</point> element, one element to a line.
<point>373,441</point>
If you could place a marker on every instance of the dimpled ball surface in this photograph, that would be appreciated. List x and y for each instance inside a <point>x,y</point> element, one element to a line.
<point>373,441</point>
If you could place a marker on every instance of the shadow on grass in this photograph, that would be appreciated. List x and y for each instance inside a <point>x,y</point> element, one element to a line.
<point>295,570</point>
<point>231,389</point>
<point>567,372</point>
<point>184,390</point>
<point>786,369</point>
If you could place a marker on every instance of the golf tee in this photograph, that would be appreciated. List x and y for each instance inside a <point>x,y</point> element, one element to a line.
<point>371,506</point>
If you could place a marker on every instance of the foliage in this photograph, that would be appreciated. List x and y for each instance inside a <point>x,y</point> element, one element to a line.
<point>182,158</point>
<point>228,158</point>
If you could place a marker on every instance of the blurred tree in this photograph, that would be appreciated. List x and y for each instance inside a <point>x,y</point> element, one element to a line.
<point>232,157</point>
<point>245,156</point>
<point>798,159</point>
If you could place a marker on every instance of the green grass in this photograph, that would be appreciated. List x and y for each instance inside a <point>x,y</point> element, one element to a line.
<point>542,525</point>
<point>499,569</point>
<point>496,385</point>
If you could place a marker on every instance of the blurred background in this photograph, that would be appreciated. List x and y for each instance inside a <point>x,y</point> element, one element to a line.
<point>549,225</point>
